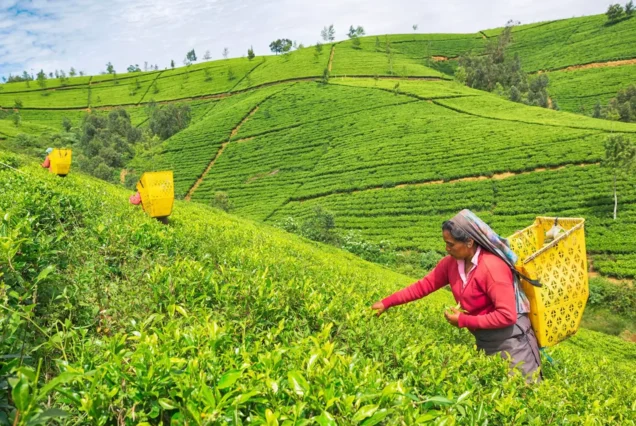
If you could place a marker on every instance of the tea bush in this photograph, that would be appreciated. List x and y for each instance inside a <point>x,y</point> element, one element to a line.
<point>113,318</point>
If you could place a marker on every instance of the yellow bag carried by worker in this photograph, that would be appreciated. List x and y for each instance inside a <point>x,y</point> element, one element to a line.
<point>60,161</point>
<point>559,262</point>
<point>157,193</point>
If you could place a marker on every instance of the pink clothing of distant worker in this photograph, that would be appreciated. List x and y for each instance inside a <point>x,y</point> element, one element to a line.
<point>47,162</point>
<point>488,295</point>
<point>135,198</point>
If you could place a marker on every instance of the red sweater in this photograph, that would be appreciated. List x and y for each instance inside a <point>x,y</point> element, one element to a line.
<point>488,295</point>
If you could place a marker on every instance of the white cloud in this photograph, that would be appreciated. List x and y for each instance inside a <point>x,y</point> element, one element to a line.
<point>86,34</point>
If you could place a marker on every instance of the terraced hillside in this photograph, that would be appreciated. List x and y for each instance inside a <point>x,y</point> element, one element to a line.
<point>113,318</point>
<point>394,165</point>
<point>391,145</point>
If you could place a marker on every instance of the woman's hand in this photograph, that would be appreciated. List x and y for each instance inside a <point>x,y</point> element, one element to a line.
<point>452,316</point>
<point>379,307</point>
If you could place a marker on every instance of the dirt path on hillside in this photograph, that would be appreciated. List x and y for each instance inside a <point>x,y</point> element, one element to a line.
<point>219,152</point>
<point>497,176</point>
<point>122,176</point>
<point>602,64</point>
<point>333,51</point>
<point>620,63</point>
<point>440,58</point>
<point>207,169</point>
<point>237,128</point>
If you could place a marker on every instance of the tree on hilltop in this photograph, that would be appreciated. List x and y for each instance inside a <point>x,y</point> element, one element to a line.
<point>110,69</point>
<point>191,56</point>
<point>620,158</point>
<point>276,46</point>
<point>629,8</point>
<point>614,12</point>
<point>415,27</point>
<point>133,68</point>
<point>172,63</point>
<point>328,33</point>
<point>42,79</point>
<point>355,32</point>
<point>226,52</point>
<point>250,53</point>
<point>72,72</point>
<point>207,55</point>
<point>280,46</point>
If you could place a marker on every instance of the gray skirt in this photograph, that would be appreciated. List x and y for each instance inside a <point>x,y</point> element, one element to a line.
<point>516,342</point>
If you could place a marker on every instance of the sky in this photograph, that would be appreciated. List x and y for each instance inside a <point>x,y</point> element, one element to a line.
<point>86,34</point>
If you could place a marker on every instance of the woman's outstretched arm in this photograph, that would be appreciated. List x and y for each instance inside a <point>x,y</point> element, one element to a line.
<point>435,280</point>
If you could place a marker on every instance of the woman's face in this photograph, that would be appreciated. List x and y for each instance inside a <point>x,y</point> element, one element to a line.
<point>456,248</point>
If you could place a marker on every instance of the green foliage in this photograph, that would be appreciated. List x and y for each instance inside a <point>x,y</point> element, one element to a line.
<point>105,143</point>
<point>280,46</point>
<point>328,34</point>
<point>250,53</point>
<point>620,158</point>
<point>17,119</point>
<point>221,201</point>
<point>325,76</point>
<point>355,32</point>
<point>67,124</point>
<point>622,107</point>
<point>191,56</point>
<point>41,79</point>
<point>214,319</point>
<point>230,74</point>
<point>496,72</point>
<point>614,12</point>
<point>619,298</point>
<point>168,120</point>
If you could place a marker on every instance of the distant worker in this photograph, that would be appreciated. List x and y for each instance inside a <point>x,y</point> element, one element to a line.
<point>479,269</point>
<point>135,198</point>
<point>47,161</point>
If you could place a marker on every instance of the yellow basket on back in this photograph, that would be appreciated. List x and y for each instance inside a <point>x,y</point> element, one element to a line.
<point>157,193</point>
<point>60,161</point>
<point>557,307</point>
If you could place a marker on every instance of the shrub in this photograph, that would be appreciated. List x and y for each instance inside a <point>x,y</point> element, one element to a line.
<point>222,201</point>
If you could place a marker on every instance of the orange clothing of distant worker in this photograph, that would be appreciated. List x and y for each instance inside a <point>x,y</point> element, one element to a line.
<point>135,198</point>
<point>47,162</point>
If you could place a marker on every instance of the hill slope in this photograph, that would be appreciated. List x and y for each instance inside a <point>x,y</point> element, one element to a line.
<point>219,319</point>
<point>398,155</point>
<point>402,139</point>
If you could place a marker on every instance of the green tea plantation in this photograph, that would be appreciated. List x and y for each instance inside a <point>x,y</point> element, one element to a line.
<point>110,317</point>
